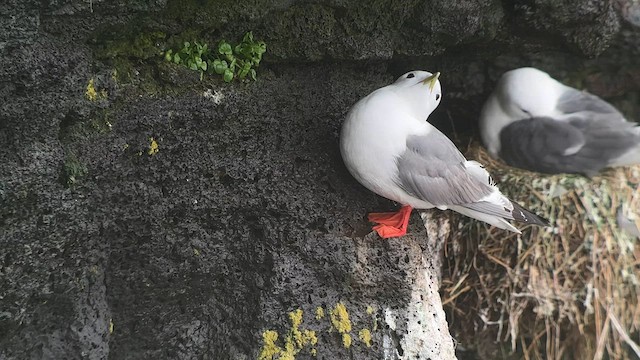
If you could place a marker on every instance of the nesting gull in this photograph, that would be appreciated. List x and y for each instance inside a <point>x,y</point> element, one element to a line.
<point>534,122</point>
<point>390,148</point>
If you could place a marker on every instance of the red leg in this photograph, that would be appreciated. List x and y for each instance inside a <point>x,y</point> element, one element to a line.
<point>391,224</point>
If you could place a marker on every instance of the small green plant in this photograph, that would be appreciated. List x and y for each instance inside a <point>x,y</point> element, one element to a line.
<point>229,61</point>
<point>241,60</point>
<point>192,55</point>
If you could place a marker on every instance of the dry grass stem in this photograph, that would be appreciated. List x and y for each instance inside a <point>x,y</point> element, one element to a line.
<point>568,291</point>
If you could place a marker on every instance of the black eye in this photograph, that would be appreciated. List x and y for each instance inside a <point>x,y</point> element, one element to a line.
<point>410,75</point>
<point>437,97</point>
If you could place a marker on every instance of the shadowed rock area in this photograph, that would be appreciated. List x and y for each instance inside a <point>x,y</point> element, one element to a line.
<point>245,214</point>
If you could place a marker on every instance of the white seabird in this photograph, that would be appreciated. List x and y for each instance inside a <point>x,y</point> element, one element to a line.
<point>534,122</point>
<point>390,148</point>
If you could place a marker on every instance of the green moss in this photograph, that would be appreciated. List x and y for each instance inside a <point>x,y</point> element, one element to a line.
<point>315,26</point>
<point>214,13</point>
<point>129,50</point>
<point>74,128</point>
<point>138,45</point>
<point>72,170</point>
<point>122,70</point>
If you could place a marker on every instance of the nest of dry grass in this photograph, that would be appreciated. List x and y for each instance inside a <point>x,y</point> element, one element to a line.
<point>567,292</point>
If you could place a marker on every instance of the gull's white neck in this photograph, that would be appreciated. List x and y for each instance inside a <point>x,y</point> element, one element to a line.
<point>492,119</point>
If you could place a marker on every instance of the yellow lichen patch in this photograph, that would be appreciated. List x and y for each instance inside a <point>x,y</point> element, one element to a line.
<point>92,94</point>
<point>111,326</point>
<point>319,313</point>
<point>269,347</point>
<point>296,320</point>
<point>310,337</point>
<point>370,310</point>
<point>365,336</point>
<point>289,352</point>
<point>346,340</point>
<point>296,340</point>
<point>340,321</point>
<point>153,147</point>
<point>340,318</point>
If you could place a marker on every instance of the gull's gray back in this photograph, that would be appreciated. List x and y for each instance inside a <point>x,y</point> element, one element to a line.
<point>586,105</point>
<point>432,168</point>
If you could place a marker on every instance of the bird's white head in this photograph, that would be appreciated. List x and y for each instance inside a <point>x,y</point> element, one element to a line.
<point>421,90</point>
<point>528,92</point>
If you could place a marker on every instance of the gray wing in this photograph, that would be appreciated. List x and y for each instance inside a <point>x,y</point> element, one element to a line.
<point>433,169</point>
<point>583,104</point>
<point>579,145</point>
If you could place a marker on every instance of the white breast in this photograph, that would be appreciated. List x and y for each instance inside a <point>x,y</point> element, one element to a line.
<point>373,136</point>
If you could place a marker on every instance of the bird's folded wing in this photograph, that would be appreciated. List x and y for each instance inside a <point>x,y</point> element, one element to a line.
<point>576,145</point>
<point>585,105</point>
<point>433,169</point>
<point>539,137</point>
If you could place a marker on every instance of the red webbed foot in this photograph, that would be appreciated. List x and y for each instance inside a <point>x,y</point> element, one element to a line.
<point>391,224</point>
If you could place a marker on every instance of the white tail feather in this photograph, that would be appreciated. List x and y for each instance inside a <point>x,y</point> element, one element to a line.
<point>631,157</point>
<point>490,219</point>
<point>478,171</point>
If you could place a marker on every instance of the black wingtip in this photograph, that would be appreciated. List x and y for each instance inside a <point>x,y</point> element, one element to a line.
<point>525,216</point>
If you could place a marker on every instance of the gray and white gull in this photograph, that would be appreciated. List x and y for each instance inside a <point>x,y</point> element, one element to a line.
<point>390,148</point>
<point>534,122</point>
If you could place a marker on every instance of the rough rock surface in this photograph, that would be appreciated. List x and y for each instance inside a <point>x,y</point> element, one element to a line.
<point>246,213</point>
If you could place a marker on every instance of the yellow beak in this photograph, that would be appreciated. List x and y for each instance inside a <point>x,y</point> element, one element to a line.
<point>431,80</point>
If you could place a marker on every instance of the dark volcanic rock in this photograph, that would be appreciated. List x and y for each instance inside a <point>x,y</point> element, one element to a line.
<point>588,25</point>
<point>245,214</point>
<point>19,22</point>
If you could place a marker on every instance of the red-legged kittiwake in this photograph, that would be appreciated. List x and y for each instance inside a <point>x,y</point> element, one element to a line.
<point>390,148</point>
